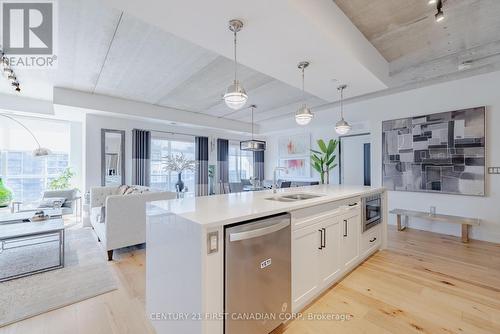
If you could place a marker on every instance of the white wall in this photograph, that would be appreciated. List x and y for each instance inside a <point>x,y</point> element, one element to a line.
<point>94,123</point>
<point>475,91</point>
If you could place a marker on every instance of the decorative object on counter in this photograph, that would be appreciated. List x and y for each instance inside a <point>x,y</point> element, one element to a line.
<point>303,116</point>
<point>441,153</point>
<point>235,96</point>
<point>37,152</point>
<point>342,127</point>
<point>63,181</point>
<point>9,72</point>
<point>323,161</point>
<point>5,195</point>
<point>253,144</point>
<point>178,164</point>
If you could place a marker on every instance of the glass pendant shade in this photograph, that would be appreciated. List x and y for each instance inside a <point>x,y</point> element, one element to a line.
<point>342,127</point>
<point>303,116</point>
<point>235,96</point>
<point>41,152</point>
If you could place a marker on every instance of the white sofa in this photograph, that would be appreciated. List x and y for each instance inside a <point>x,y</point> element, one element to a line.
<point>124,216</point>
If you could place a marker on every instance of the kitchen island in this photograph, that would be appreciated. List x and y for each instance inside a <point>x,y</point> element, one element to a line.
<point>185,256</point>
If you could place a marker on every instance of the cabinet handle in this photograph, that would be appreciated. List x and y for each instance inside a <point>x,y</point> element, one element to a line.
<point>324,237</point>
<point>373,239</point>
<point>320,239</point>
<point>353,204</point>
<point>345,227</point>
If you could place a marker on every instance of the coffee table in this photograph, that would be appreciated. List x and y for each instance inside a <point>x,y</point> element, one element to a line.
<point>26,234</point>
<point>20,216</point>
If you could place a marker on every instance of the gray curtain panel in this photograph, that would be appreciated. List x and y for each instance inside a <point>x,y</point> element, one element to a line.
<point>201,173</point>
<point>258,165</point>
<point>223,165</point>
<point>141,157</point>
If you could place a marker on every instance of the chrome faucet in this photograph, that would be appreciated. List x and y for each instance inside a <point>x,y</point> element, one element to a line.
<point>275,184</point>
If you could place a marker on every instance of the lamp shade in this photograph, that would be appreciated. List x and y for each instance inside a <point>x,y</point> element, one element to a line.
<point>41,152</point>
<point>303,116</point>
<point>235,96</point>
<point>342,127</point>
<point>253,145</point>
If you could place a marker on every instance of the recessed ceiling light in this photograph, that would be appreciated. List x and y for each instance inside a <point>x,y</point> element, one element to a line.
<point>432,2</point>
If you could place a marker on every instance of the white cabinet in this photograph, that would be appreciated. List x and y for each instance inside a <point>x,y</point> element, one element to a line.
<point>371,240</point>
<point>315,258</point>
<point>325,246</point>
<point>349,241</point>
<point>306,263</point>
<point>329,255</point>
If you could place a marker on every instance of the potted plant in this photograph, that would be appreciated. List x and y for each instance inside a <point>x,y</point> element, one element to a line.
<point>63,181</point>
<point>178,164</point>
<point>323,161</point>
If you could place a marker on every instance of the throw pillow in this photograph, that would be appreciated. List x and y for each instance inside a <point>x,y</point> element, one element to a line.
<point>98,214</point>
<point>122,189</point>
<point>130,190</point>
<point>52,202</point>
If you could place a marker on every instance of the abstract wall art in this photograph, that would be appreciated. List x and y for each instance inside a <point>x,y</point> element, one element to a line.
<point>294,145</point>
<point>441,153</point>
<point>297,168</point>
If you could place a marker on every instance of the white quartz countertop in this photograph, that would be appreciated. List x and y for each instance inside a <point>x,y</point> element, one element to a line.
<point>227,209</point>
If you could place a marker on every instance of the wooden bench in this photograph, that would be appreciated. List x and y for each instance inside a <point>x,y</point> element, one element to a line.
<point>464,221</point>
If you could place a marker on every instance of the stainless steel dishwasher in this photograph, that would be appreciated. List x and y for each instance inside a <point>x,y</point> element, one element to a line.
<point>257,275</point>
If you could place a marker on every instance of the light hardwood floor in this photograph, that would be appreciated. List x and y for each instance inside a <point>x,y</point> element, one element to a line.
<point>424,283</point>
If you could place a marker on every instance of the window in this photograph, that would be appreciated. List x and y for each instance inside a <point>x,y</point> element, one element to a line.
<point>240,163</point>
<point>166,180</point>
<point>27,176</point>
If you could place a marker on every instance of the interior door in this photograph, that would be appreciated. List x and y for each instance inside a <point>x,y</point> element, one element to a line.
<point>330,254</point>
<point>355,163</point>
<point>305,264</point>
<point>350,235</point>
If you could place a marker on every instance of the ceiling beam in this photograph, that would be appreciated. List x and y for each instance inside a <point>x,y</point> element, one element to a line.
<point>19,104</point>
<point>65,99</point>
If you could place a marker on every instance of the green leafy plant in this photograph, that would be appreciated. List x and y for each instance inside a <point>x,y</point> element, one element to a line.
<point>63,181</point>
<point>323,161</point>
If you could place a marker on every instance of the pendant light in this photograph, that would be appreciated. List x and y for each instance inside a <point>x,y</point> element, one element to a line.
<point>235,96</point>
<point>253,144</point>
<point>342,127</point>
<point>303,116</point>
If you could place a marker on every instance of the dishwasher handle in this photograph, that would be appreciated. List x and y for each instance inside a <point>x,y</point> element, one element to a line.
<point>258,232</point>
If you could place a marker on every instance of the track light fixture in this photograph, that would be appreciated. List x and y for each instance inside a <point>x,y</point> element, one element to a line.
<point>439,7</point>
<point>9,72</point>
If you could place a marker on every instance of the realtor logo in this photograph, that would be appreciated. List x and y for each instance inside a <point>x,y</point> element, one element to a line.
<point>29,33</point>
<point>28,27</point>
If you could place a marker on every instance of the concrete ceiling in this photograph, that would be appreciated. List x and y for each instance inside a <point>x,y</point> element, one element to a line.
<point>418,48</point>
<point>104,51</point>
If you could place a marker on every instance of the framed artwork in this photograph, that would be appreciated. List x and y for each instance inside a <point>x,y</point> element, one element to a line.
<point>294,145</point>
<point>297,167</point>
<point>439,153</point>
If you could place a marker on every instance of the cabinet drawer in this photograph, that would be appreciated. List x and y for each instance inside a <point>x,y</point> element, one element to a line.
<point>308,216</point>
<point>370,240</point>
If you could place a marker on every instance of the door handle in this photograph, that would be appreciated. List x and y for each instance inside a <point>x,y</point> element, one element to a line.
<point>320,238</point>
<point>324,237</point>
<point>345,227</point>
<point>372,240</point>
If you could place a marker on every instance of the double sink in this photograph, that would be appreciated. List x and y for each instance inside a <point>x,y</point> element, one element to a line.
<point>293,197</point>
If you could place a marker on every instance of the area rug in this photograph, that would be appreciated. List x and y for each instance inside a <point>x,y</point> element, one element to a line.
<point>85,275</point>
